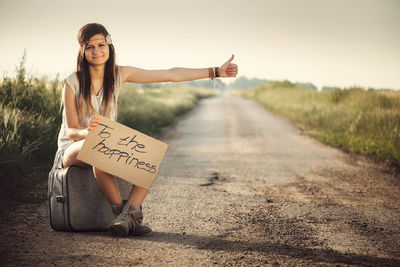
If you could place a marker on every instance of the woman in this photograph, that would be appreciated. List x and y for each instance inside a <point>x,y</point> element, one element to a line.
<point>93,90</point>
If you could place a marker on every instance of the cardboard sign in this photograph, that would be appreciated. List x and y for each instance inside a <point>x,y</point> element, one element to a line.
<point>123,152</point>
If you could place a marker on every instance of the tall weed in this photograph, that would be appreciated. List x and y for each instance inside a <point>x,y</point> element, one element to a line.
<point>29,121</point>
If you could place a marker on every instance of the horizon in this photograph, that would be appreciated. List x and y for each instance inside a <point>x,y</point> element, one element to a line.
<point>228,82</point>
<point>330,43</point>
<point>35,74</point>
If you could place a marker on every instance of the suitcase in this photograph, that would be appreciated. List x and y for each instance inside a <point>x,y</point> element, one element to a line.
<point>76,202</point>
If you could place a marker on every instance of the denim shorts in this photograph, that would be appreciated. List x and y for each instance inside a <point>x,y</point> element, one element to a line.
<point>58,158</point>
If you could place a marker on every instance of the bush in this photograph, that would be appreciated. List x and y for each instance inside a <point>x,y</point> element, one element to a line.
<point>338,94</point>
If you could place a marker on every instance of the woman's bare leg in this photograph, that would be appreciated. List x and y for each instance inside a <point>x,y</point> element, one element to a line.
<point>109,186</point>
<point>106,181</point>
<point>137,196</point>
<point>71,153</point>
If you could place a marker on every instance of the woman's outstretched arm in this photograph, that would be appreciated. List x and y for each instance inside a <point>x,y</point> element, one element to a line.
<point>137,75</point>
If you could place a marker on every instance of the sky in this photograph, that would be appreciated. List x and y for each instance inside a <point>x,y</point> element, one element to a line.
<point>328,43</point>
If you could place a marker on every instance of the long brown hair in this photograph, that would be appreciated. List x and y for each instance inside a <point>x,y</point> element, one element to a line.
<point>85,82</point>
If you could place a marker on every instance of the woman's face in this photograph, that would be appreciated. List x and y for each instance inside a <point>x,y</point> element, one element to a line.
<point>96,50</point>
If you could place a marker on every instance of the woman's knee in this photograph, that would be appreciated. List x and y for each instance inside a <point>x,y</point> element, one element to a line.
<point>71,153</point>
<point>97,171</point>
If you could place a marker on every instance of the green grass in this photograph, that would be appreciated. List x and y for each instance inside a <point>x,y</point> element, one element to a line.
<point>355,120</point>
<point>149,110</point>
<point>29,121</point>
<point>30,118</point>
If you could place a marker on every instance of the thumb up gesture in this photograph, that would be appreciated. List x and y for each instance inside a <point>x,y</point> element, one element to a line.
<point>228,69</point>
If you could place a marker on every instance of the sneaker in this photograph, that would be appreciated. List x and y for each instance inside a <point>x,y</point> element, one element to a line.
<point>117,209</point>
<point>126,220</point>
<point>140,229</point>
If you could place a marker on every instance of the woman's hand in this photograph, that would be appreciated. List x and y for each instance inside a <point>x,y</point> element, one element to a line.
<point>228,69</point>
<point>93,122</point>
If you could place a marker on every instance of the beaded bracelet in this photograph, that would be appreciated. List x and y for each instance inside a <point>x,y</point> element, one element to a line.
<point>211,74</point>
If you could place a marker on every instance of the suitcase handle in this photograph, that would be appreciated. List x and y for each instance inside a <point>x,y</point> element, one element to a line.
<point>60,199</point>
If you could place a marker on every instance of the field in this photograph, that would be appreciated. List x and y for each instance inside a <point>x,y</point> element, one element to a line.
<point>362,121</point>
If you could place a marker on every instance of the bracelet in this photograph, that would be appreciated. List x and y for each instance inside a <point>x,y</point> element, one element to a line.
<point>211,74</point>
<point>216,72</point>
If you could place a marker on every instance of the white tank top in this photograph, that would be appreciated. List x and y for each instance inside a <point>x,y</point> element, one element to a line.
<point>73,82</point>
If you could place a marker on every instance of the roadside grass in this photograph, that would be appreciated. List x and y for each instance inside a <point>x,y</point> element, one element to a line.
<point>149,110</point>
<point>352,119</point>
<point>30,118</point>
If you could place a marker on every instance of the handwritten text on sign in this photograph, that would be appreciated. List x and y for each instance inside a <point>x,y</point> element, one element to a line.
<point>123,152</point>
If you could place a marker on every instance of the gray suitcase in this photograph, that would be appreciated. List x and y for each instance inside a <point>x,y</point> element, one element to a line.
<point>76,202</point>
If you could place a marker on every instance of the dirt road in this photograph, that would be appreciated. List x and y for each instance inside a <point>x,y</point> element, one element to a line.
<point>238,186</point>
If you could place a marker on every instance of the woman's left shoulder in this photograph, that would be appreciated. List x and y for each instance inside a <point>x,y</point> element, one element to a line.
<point>122,70</point>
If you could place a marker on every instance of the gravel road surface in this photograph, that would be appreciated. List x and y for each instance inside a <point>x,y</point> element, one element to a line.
<point>238,186</point>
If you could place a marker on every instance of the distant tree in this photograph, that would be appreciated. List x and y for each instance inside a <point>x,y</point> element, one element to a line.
<point>329,88</point>
<point>151,85</point>
<point>243,83</point>
<point>207,83</point>
<point>308,86</point>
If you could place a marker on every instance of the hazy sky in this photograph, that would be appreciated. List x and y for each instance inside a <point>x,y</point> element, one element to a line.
<point>335,43</point>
